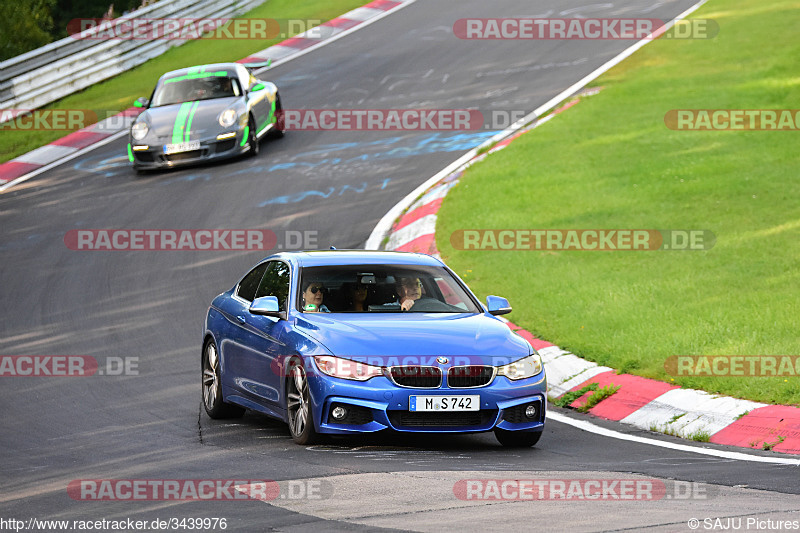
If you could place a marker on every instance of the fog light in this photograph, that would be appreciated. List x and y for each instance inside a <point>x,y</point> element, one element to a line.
<point>530,411</point>
<point>339,412</point>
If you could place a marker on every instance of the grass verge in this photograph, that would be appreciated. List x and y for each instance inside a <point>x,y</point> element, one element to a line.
<point>612,163</point>
<point>118,93</point>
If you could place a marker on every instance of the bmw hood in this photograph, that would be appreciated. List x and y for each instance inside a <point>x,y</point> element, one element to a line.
<point>169,123</point>
<point>379,335</point>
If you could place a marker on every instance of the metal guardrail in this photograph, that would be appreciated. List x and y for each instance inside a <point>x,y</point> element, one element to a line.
<point>56,70</point>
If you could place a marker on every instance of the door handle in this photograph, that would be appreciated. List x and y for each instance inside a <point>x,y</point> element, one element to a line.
<point>240,319</point>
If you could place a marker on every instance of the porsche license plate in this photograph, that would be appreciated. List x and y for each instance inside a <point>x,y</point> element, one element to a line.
<point>445,403</point>
<point>181,147</point>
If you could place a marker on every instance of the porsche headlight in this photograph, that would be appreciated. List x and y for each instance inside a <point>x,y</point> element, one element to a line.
<point>345,368</point>
<point>227,118</point>
<point>139,130</point>
<point>527,367</point>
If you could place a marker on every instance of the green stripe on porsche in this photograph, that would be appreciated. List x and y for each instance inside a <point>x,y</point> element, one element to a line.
<point>270,120</point>
<point>179,127</point>
<point>246,135</point>
<point>198,75</point>
<point>130,153</point>
<point>189,122</point>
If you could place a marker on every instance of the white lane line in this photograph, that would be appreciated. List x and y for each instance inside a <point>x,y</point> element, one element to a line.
<point>591,428</point>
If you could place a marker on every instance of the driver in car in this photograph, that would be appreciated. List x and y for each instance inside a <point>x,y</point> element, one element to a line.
<point>409,290</point>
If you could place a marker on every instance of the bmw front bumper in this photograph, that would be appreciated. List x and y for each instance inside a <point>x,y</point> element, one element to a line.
<point>379,404</point>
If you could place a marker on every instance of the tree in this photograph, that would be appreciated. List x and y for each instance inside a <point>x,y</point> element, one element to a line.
<point>24,25</point>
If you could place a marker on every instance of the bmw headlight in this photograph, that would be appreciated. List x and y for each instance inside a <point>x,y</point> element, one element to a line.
<point>346,369</point>
<point>139,130</point>
<point>527,367</point>
<point>227,118</point>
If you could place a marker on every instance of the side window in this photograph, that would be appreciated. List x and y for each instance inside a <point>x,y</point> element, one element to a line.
<point>276,283</point>
<point>249,284</point>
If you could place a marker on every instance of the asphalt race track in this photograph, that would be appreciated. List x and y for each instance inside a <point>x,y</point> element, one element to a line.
<point>147,307</point>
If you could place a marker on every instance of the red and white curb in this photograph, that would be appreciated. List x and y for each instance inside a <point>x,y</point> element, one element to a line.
<point>327,32</point>
<point>35,162</point>
<point>645,403</point>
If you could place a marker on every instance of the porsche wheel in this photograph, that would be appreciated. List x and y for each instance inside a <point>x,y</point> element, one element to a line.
<point>212,386</point>
<point>252,138</point>
<point>298,405</point>
<point>278,129</point>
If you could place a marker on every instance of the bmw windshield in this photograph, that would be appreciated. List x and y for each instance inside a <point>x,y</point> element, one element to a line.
<point>382,289</point>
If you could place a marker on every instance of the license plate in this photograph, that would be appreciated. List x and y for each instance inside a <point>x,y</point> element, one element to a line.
<point>445,403</point>
<point>181,147</point>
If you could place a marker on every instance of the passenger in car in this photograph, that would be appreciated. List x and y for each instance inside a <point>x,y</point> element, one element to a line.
<point>356,296</point>
<point>313,293</point>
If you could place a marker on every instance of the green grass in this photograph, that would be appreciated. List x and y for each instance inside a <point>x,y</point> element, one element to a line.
<point>610,162</point>
<point>700,436</point>
<point>675,418</point>
<point>118,93</point>
<point>769,445</point>
<point>569,397</point>
<point>597,397</point>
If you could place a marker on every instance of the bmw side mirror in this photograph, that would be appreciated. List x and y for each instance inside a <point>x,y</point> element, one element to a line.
<point>497,305</point>
<point>141,102</point>
<point>267,306</point>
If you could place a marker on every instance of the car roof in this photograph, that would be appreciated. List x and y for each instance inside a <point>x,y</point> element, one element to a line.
<point>356,257</point>
<point>231,70</point>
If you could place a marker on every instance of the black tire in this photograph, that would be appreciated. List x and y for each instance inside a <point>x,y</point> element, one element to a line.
<point>278,129</point>
<point>252,138</point>
<point>213,402</point>
<point>517,439</point>
<point>298,405</point>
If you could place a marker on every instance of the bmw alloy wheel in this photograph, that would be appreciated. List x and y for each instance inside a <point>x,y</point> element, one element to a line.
<point>298,405</point>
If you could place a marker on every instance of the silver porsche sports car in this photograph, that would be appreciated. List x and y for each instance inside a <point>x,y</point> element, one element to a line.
<point>202,113</point>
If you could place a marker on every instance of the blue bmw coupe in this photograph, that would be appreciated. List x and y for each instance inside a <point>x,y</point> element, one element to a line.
<point>346,342</point>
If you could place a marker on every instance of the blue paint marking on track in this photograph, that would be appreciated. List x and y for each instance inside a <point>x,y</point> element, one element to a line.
<point>397,147</point>
<point>429,144</point>
<point>104,166</point>
<point>299,197</point>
